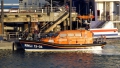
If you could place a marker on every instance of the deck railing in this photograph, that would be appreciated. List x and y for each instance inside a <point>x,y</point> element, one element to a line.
<point>37,9</point>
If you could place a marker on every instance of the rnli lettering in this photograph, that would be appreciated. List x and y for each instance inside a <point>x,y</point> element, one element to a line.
<point>34,46</point>
<point>28,45</point>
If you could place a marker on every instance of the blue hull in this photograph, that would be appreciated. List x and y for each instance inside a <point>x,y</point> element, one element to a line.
<point>33,45</point>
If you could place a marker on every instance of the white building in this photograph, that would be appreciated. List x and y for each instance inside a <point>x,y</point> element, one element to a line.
<point>109,11</point>
<point>108,8</point>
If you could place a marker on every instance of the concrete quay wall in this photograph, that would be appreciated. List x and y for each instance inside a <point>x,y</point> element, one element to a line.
<point>9,45</point>
<point>6,45</point>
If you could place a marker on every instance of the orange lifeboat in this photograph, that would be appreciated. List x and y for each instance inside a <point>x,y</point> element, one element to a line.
<point>68,39</point>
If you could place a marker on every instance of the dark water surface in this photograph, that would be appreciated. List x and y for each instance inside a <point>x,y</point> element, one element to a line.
<point>109,57</point>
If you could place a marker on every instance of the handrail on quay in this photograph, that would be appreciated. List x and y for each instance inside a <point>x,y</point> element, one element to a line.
<point>13,35</point>
<point>9,36</point>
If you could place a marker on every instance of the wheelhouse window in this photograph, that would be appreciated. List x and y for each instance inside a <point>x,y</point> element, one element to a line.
<point>70,35</point>
<point>79,35</point>
<point>63,35</point>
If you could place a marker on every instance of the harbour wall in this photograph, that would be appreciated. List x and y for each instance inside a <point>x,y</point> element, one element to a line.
<point>10,45</point>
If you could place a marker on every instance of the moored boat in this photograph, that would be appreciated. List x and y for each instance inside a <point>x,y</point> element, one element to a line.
<point>68,39</point>
<point>109,33</point>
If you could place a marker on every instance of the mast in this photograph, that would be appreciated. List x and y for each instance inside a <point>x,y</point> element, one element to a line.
<point>51,5</point>
<point>79,9</point>
<point>70,11</point>
<point>2,16</point>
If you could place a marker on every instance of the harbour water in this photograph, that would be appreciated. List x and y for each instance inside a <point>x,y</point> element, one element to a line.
<point>109,57</point>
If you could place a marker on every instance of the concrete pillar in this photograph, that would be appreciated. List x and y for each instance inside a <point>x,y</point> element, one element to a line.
<point>43,24</point>
<point>111,10</point>
<point>68,24</point>
<point>33,24</point>
<point>77,23</point>
<point>0,28</point>
<point>100,17</point>
<point>105,10</point>
<point>42,10</point>
<point>2,15</point>
<point>64,24</point>
<point>119,10</point>
<point>96,12</point>
<point>70,16</point>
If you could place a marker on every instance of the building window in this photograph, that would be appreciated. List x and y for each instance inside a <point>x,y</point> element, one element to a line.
<point>115,25</point>
<point>29,2</point>
<point>25,4</point>
<point>35,2</point>
<point>39,4</point>
<point>62,35</point>
<point>98,12</point>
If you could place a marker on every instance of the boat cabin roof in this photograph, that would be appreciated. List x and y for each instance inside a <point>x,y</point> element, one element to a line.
<point>72,31</point>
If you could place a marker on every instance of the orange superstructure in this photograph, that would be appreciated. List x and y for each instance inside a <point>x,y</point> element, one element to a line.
<point>71,37</point>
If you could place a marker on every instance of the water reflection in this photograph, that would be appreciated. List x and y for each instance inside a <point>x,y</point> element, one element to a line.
<point>72,60</point>
<point>106,58</point>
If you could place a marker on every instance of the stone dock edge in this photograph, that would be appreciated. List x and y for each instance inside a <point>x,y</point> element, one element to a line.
<point>10,45</point>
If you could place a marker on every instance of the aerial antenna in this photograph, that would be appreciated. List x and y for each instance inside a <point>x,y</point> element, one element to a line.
<point>79,9</point>
<point>73,3</point>
<point>80,18</point>
<point>86,9</point>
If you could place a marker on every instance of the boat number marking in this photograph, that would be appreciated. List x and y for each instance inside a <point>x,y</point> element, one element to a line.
<point>35,46</point>
<point>38,46</point>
